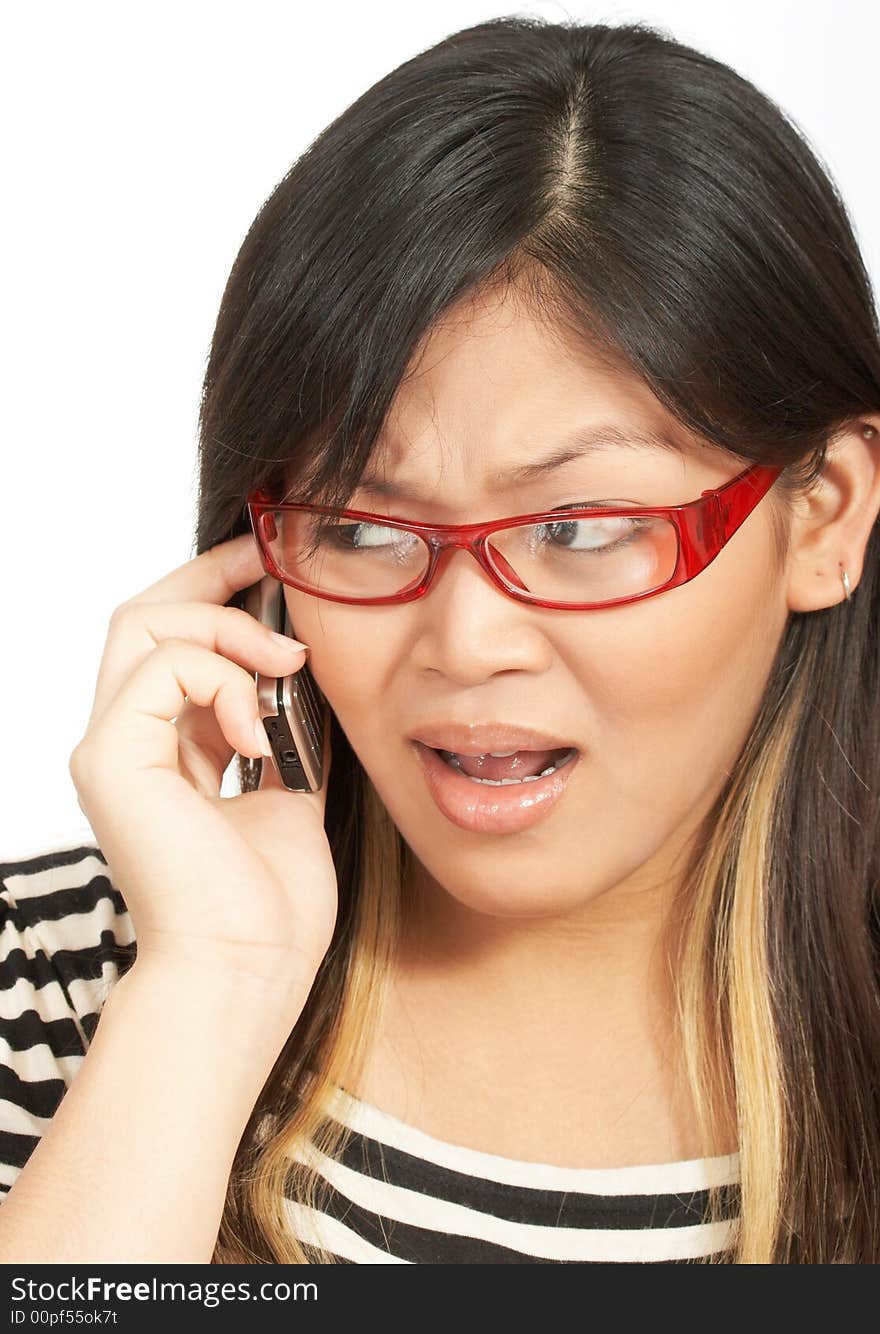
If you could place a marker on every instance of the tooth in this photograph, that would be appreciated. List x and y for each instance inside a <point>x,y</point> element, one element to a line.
<point>505,782</point>
<point>501,754</point>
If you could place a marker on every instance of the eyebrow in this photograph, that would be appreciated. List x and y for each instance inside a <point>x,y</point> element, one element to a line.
<point>584,442</point>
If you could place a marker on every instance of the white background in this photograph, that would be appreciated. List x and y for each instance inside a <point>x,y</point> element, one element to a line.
<point>139,143</point>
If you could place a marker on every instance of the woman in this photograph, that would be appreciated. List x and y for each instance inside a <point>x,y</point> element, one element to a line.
<point>624,1011</point>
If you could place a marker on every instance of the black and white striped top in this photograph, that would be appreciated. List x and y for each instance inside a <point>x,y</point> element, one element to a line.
<point>396,1195</point>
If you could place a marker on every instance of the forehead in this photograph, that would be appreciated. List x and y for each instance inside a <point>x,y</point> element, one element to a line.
<point>494,400</point>
<point>493,388</point>
<point>587,442</point>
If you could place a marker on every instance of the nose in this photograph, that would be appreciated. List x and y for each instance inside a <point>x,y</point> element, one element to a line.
<point>458,565</point>
<point>498,560</point>
<point>471,628</point>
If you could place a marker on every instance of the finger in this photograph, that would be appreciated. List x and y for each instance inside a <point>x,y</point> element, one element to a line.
<point>137,628</point>
<point>204,754</point>
<point>212,576</point>
<point>137,730</point>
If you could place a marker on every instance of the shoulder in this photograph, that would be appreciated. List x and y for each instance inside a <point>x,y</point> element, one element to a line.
<point>63,921</point>
<point>66,936</point>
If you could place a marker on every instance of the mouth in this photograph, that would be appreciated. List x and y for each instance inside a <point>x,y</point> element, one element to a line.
<point>496,793</point>
<point>507,768</point>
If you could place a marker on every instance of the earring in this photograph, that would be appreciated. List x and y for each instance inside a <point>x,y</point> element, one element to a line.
<point>845,577</point>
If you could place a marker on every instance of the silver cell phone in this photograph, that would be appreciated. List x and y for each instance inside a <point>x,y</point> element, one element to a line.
<point>293,708</point>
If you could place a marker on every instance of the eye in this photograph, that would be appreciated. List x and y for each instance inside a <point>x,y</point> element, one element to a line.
<point>598,504</point>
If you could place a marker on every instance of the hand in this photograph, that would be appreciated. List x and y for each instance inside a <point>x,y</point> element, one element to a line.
<point>240,886</point>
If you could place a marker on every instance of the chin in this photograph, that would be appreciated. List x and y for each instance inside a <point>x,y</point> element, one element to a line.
<point>510,894</point>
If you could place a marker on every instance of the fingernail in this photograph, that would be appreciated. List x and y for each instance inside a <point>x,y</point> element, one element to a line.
<point>286,642</point>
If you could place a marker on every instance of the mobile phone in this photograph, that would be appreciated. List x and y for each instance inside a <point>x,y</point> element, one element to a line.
<point>293,708</point>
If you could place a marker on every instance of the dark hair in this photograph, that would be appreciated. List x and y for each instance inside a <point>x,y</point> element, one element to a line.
<point>652,201</point>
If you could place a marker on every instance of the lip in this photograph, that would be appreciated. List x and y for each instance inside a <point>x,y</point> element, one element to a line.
<point>491,810</point>
<point>481,738</point>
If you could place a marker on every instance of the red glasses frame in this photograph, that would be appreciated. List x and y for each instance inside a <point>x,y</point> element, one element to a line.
<point>703,527</point>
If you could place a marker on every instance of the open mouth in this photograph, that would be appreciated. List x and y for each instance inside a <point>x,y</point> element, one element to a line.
<point>509,769</point>
<point>526,785</point>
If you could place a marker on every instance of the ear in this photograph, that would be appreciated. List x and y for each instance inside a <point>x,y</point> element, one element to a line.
<point>831,526</point>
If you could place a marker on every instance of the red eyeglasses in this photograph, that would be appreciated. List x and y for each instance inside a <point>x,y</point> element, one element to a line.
<point>358,557</point>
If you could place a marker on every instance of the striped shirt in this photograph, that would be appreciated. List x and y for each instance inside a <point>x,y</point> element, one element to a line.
<point>394,1194</point>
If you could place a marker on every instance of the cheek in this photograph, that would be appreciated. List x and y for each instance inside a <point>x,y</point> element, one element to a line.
<point>673,701</point>
<point>349,655</point>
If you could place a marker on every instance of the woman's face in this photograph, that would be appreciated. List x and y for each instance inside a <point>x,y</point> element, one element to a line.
<point>657,695</point>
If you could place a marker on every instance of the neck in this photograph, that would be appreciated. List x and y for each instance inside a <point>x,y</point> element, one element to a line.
<point>580,972</point>
<point>578,1008</point>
